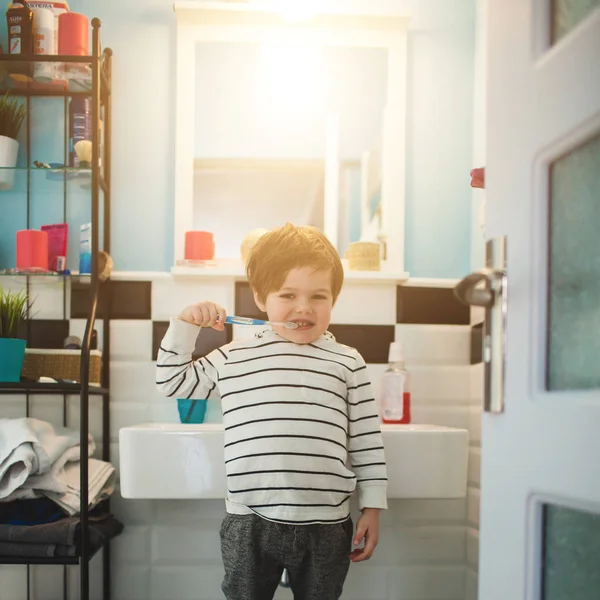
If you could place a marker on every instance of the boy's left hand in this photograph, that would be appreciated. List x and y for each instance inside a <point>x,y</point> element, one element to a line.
<point>367,528</point>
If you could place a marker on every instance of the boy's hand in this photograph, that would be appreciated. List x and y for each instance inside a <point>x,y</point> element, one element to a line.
<point>367,528</point>
<point>204,314</point>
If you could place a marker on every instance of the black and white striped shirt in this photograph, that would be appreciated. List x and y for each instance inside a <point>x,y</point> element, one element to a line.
<point>294,416</point>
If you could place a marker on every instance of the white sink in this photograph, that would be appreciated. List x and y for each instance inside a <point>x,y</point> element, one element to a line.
<point>172,460</point>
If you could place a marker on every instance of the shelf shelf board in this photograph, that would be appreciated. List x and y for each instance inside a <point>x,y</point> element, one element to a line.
<point>236,271</point>
<point>45,560</point>
<point>34,387</point>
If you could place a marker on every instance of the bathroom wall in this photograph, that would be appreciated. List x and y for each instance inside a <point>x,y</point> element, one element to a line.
<point>170,549</point>
<point>439,133</point>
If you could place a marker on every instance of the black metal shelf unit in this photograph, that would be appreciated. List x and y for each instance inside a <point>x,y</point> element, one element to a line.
<point>99,64</point>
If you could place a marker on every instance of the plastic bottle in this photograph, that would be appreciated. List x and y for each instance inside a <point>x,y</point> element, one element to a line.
<point>19,20</point>
<point>395,403</point>
<point>80,126</point>
<point>43,33</point>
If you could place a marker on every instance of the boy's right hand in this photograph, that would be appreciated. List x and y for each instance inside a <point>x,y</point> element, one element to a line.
<point>204,314</point>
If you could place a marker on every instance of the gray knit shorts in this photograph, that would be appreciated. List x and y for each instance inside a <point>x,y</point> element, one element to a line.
<point>255,551</point>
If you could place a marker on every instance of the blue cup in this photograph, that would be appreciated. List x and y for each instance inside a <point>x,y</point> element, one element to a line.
<point>191,411</point>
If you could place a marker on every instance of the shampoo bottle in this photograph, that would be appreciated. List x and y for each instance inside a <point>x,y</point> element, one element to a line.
<point>395,403</point>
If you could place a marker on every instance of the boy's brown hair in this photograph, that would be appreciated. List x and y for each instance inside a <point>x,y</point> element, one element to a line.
<point>280,250</point>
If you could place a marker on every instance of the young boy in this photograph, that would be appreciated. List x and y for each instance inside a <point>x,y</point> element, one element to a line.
<point>296,406</point>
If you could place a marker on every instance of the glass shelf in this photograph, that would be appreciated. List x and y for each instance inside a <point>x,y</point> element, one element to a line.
<point>46,75</point>
<point>35,387</point>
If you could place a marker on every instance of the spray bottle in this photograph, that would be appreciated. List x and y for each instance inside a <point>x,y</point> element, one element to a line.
<point>395,404</point>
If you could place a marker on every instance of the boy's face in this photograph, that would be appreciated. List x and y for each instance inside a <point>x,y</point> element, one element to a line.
<point>304,298</point>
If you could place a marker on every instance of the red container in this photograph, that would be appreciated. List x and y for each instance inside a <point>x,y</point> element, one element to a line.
<point>73,34</point>
<point>199,245</point>
<point>32,249</point>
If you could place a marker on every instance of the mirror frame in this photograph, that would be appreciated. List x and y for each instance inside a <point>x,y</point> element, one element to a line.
<point>257,22</point>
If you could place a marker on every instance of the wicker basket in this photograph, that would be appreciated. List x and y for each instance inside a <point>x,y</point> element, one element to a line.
<point>364,256</point>
<point>60,364</point>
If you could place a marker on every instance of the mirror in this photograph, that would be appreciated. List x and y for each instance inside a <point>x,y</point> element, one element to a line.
<point>288,132</point>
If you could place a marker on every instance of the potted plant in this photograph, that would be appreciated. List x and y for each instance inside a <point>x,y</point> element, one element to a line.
<point>12,113</point>
<point>13,309</point>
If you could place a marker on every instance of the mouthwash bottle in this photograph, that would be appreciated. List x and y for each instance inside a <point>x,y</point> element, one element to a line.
<point>395,403</point>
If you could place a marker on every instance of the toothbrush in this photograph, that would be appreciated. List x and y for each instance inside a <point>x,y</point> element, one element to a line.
<point>249,321</point>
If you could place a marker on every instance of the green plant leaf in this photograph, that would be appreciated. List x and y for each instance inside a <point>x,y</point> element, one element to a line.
<point>13,309</point>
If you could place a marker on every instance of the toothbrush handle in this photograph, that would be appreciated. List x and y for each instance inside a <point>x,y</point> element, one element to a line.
<point>244,321</point>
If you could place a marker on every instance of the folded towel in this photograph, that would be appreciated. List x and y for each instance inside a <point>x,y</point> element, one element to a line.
<point>101,485</point>
<point>30,512</point>
<point>57,539</point>
<point>31,454</point>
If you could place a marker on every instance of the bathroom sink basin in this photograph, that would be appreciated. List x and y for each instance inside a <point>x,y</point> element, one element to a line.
<point>173,460</point>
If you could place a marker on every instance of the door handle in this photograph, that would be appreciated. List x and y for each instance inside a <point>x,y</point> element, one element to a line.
<point>468,292</point>
<point>488,288</point>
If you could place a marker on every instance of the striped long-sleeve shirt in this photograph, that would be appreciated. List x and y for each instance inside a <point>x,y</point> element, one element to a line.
<point>300,422</point>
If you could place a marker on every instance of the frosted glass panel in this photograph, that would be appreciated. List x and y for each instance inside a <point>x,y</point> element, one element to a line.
<point>574,271</point>
<point>571,546</point>
<point>567,14</point>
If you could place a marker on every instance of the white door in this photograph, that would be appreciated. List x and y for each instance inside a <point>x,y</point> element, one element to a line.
<point>540,501</point>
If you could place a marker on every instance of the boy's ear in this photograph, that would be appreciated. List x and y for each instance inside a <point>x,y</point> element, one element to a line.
<point>260,304</point>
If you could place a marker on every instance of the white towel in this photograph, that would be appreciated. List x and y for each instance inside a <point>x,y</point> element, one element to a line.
<point>101,485</point>
<point>32,455</point>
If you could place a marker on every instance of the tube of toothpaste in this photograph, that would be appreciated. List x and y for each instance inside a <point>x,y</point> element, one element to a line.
<point>85,249</point>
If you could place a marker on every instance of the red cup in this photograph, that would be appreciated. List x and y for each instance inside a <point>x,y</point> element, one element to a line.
<point>32,249</point>
<point>199,245</point>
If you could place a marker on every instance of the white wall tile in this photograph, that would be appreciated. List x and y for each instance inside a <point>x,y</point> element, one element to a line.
<point>51,298</point>
<point>77,327</point>
<point>12,406</point>
<point>472,547</point>
<point>473,500</point>
<point>367,581</point>
<point>130,582</point>
<point>435,344</point>
<point>185,545</point>
<point>130,340</point>
<point>447,416</point>
<point>431,582</point>
<point>475,425</point>
<point>428,511</point>
<point>185,583</point>
<point>477,382</point>
<point>13,581</point>
<point>132,512</point>
<point>126,414</point>
<point>477,314</point>
<point>448,385</point>
<point>171,295</point>
<point>474,473</point>
<point>424,544</point>
<point>163,410</point>
<point>471,584</point>
<point>132,547</point>
<point>191,513</point>
<point>133,381</point>
<point>366,305</point>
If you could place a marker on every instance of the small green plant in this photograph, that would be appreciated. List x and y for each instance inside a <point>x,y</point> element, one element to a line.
<point>13,309</point>
<point>12,113</point>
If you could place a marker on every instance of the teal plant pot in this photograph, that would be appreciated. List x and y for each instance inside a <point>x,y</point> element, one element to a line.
<point>191,411</point>
<point>12,353</point>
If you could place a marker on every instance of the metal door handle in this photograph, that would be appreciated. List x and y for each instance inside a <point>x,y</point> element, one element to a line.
<point>468,293</point>
<point>492,296</point>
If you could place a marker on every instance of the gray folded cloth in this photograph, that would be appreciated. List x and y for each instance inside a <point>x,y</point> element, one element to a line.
<point>61,538</point>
